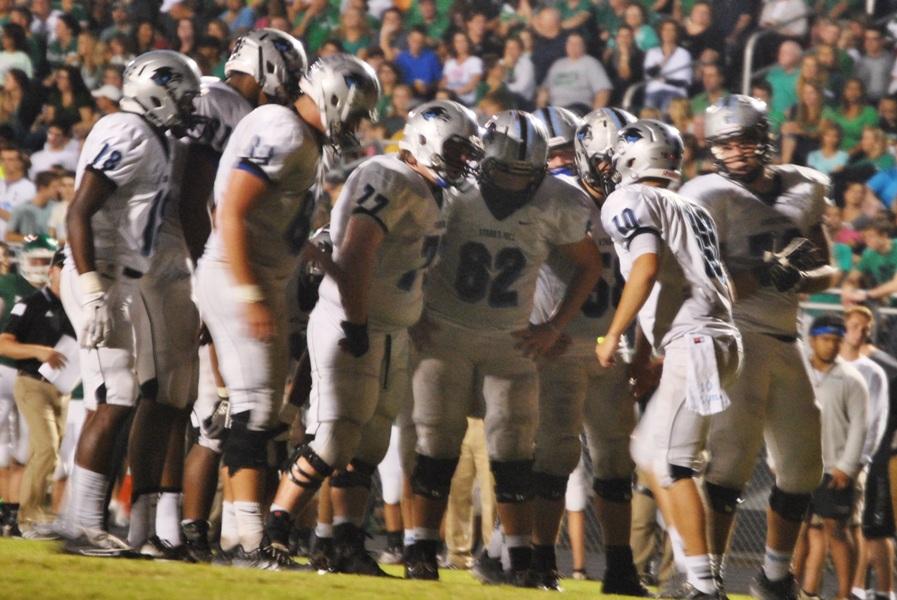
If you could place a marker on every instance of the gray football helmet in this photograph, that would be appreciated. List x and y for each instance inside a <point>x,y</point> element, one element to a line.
<point>345,90</point>
<point>276,60</point>
<point>739,117</point>
<point>515,160</point>
<point>561,125</point>
<point>161,86</point>
<point>594,144</point>
<point>647,149</point>
<point>443,136</point>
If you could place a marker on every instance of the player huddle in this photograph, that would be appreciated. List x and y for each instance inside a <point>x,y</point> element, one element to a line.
<point>493,272</point>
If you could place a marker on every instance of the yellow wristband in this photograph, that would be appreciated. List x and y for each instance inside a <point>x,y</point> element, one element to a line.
<point>599,339</point>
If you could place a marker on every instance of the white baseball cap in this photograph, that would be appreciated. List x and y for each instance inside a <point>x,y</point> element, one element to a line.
<point>107,91</point>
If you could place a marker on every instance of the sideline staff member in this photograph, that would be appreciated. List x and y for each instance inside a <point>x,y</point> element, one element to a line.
<point>35,326</point>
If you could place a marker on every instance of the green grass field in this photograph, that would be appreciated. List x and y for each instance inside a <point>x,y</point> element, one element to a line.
<point>38,570</point>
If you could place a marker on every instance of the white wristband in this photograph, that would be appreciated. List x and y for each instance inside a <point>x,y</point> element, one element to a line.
<point>90,284</point>
<point>248,294</point>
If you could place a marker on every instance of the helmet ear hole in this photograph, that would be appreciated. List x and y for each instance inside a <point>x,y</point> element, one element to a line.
<point>269,67</point>
<point>156,102</point>
<point>334,100</point>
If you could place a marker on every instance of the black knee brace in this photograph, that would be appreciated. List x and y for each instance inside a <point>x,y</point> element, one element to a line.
<point>359,476</point>
<point>613,490</point>
<point>244,448</point>
<point>722,499</point>
<point>678,472</point>
<point>791,507</point>
<point>432,477</point>
<point>149,389</point>
<point>513,480</point>
<point>550,487</point>
<point>311,481</point>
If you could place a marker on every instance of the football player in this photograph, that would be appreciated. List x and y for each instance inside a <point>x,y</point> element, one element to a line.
<point>758,209</point>
<point>385,229</point>
<point>476,335</point>
<point>113,224</point>
<point>573,386</point>
<point>261,224</point>
<point>265,67</point>
<point>679,289</point>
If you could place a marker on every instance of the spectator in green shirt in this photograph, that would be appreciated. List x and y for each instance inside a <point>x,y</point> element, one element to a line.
<point>761,90</point>
<point>783,76</point>
<point>852,115</point>
<point>574,14</point>
<point>712,80</point>
<point>313,23</point>
<point>645,36</point>
<point>609,15</point>
<point>873,277</point>
<point>426,14</point>
<point>353,32</point>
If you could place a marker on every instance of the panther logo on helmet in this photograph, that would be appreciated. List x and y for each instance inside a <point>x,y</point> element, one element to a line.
<point>435,112</point>
<point>166,75</point>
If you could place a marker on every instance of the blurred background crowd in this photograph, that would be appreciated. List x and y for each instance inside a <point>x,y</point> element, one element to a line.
<point>825,67</point>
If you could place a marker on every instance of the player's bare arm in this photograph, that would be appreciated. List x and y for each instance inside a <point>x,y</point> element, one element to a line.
<point>635,294</point>
<point>245,191</point>
<point>355,266</point>
<point>201,164</point>
<point>536,340</point>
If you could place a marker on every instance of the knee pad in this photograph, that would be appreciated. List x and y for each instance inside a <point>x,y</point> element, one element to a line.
<point>310,481</point>
<point>149,389</point>
<point>244,448</point>
<point>359,476</point>
<point>432,477</point>
<point>513,481</point>
<point>722,499</point>
<point>614,490</point>
<point>549,487</point>
<point>791,507</point>
<point>678,472</point>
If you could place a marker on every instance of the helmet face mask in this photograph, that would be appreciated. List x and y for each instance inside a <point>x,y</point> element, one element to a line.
<point>35,259</point>
<point>515,163</point>
<point>442,136</point>
<point>737,129</point>
<point>594,144</point>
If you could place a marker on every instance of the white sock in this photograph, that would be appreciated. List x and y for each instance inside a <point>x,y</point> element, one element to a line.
<point>277,507</point>
<point>343,519</point>
<point>324,530</point>
<point>88,498</point>
<point>496,543</point>
<point>409,538</point>
<point>141,509</point>
<point>892,595</point>
<point>699,574</point>
<point>678,550</point>
<point>776,564</point>
<point>250,525</point>
<point>229,536</point>
<point>423,534</point>
<point>855,591</point>
<point>168,516</point>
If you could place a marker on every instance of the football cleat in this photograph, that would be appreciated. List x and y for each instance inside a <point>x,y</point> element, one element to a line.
<point>762,588</point>
<point>488,570</point>
<point>163,550</point>
<point>421,564</point>
<point>196,542</point>
<point>100,544</point>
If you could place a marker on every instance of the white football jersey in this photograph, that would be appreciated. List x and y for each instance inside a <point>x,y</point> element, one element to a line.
<point>597,312</point>
<point>748,225</point>
<point>222,108</point>
<point>136,157</point>
<point>274,144</point>
<point>401,201</point>
<point>691,294</point>
<point>487,268</point>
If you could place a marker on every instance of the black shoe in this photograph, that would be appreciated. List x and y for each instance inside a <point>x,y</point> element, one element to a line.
<point>546,579</point>
<point>762,588</point>
<point>321,557</point>
<point>421,564</point>
<point>162,550</point>
<point>224,558</point>
<point>196,542</point>
<point>300,542</point>
<point>269,557</point>
<point>488,570</point>
<point>9,521</point>
<point>675,587</point>
<point>351,555</point>
<point>624,584</point>
<point>525,578</point>
<point>695,594</point>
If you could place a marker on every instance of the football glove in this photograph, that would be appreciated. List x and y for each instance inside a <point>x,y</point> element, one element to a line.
<point>788,267</point>
<point>356,341</point>
<point>217,423</point>
<point>96,325</point>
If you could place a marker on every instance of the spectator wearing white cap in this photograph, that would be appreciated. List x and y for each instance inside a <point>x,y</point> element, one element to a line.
<point>107,98</point>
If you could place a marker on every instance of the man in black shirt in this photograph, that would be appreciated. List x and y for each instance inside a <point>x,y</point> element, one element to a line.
<point>36,325</point>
